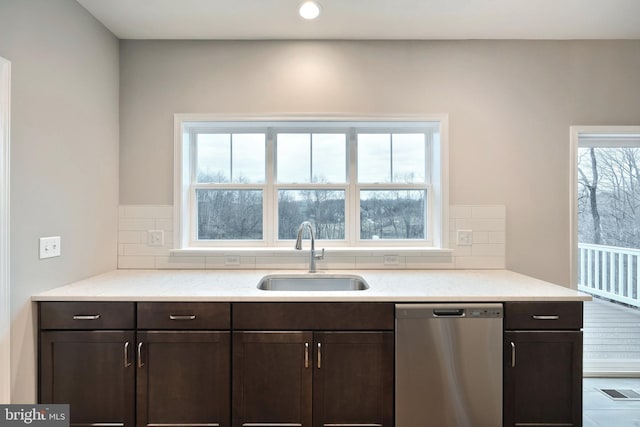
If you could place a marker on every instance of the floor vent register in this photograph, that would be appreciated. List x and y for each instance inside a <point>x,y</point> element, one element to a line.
<point>620,394</point>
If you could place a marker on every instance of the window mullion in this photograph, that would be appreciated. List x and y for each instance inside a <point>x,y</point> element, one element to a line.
<point>428,155</point>
<point>391,157</point>
<point>310,157</point>
<point>353,195</point>
<point>193,205</point>
<point>271,194</point>
<point>231,157</point>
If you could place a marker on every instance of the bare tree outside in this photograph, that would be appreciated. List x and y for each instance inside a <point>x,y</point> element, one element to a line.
<point>229,214</point>
<point>609,222</point>
<point>392,214</point>
<point>609,196</point>
<point>325,209</point>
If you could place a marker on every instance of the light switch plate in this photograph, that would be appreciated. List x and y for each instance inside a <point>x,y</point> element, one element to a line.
<point>464,238</point>
<point>155,238</point>
<point>50,247</point>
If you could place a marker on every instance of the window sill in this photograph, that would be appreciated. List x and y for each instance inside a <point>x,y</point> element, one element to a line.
<point>351,251</point>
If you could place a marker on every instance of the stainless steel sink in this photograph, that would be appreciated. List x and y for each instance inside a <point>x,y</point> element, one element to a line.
<point>312,282</point>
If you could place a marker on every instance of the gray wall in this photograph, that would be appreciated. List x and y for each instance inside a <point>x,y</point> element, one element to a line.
<point>64,157</point>
<point>510,104</point>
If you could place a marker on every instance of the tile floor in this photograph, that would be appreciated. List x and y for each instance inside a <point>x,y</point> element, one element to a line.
<point>601,411</point>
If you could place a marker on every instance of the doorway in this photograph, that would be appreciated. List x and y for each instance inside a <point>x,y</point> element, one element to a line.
<point>5,307</point>
<point>606,245</point>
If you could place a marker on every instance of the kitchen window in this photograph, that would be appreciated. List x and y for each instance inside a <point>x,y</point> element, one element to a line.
<point>250,183</point>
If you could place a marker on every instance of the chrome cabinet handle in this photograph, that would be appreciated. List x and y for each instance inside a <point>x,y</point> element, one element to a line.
<point>181,317</point>
<point>319,355</point>
<point>86,317</point>
<point>126,355</point>
<point>542,317</point>
<point>306,355</point>
<point>513,354</point>
<point>352,425</point>
<point>271,425</point>
<point>546,424</point>
<point>140,364</point>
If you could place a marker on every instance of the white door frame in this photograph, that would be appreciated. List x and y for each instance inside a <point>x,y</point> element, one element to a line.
<point>575,132</point>
<point>5,306</point>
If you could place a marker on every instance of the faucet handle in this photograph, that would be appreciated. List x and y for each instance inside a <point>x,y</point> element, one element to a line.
<point>321,256</point>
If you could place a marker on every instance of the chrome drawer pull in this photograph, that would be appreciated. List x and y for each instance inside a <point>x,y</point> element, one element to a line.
<point>319,355</point>
<point>352,425</point>
<point>541,317</point>
<point>99,424</point>
<point>272,425</point>
<point>87,317</point>
<point>546,424</point>
<point>180,317</point>
<point>185,425</point>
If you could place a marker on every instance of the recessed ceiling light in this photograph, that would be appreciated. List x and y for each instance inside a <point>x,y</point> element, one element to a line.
<point>309,10</point>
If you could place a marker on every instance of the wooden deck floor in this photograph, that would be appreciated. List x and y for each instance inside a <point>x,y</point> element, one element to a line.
<point>611,339</point>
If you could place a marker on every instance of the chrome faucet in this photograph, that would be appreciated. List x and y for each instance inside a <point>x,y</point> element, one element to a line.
<point>314,257</point>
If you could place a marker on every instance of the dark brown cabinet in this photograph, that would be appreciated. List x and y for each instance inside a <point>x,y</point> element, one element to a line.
<point>273,363</point>
<point>87,360</point>
<point>313,377</point>
<point>272,378</point>
<point>157,377</point>
<point>183,378</point>
<point>183,364</point>
<point>543,364</point>
<point>91,370</point>
<point>353,378</point>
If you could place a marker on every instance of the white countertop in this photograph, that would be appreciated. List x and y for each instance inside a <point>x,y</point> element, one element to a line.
<point>240,285</point>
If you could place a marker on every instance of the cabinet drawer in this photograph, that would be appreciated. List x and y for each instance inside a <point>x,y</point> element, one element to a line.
<point>87,315</point>
<point>183,315</point>
<point>543,315</point>
<point>310,316</point>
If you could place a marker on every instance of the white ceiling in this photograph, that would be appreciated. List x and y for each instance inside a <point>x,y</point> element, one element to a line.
<point>370,19</point>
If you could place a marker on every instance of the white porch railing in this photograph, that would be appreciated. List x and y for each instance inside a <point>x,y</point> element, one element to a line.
<point>610,272</point>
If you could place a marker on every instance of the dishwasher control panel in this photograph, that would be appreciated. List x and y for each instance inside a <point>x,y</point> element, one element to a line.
<point>484,313</point>
<point>473,311</point>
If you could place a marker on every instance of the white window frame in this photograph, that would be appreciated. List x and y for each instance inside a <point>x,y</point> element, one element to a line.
<point>437,192</point>
<point>191,240</point>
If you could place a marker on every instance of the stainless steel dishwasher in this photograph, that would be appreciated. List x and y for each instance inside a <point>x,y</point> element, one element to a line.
<point>449,365</point>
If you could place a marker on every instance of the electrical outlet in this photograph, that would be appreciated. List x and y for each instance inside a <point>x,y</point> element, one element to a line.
<point>391,260</point>
<point>464,238</point>
<point>155,238</point>
<point>232,260</point>
<point>50,247</point>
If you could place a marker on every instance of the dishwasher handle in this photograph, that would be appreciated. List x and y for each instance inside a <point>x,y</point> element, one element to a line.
<point>448,312</point>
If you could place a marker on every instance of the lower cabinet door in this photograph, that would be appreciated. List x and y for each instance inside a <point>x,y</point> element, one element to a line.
<point>183,378</point>
<point>272,379</point>
<point>543,378</point>
<point>93,372</point>
<point>353,379</point>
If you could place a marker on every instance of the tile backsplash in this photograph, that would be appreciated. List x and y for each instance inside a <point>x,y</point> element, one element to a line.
<point>484,224</point>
